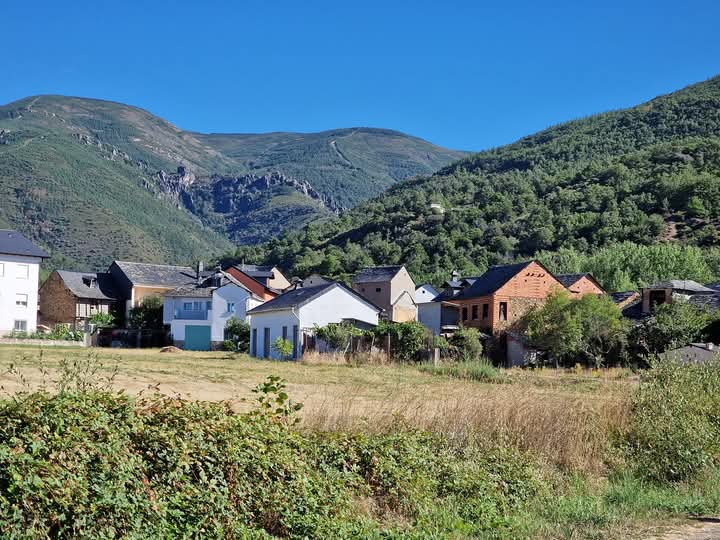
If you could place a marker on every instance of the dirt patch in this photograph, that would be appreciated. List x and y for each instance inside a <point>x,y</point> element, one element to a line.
<point>698,529</point>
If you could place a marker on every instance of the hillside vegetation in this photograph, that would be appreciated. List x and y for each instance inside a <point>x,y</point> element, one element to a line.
<point>642,175</point>
<point>94,180</point>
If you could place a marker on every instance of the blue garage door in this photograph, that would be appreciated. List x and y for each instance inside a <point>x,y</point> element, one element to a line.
<point>197,338</point>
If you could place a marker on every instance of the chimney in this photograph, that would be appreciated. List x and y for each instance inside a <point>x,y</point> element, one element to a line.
<point>455,275</point>
<point>200,269</point>
<point>710,346</point>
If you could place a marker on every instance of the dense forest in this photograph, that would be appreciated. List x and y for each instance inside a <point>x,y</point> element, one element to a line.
<point>642,176</point>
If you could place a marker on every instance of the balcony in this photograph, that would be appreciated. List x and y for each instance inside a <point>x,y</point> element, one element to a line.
<point>192,315</point>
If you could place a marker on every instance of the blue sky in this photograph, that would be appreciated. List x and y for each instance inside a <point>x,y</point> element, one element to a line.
<point>467,75</point>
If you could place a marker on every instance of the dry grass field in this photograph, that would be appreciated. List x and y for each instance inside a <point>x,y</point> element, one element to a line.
<point>566,416</point>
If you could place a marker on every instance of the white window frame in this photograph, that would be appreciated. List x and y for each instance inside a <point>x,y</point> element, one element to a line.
<point>185,306</point>
<point>21,300</point>
<point>15,325</point>
<point>27,271</point>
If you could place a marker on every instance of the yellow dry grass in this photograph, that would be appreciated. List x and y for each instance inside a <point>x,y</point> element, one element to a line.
<point>567,417</point>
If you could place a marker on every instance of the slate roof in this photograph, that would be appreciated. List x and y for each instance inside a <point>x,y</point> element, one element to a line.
<point>256,271</point>
<point>693,353</point>
<point>711,302</point>
<point>493,279</point>
<point>620,297</point>
<point>157,275</point>
<point>376,274</point>
<point>682,285</point>
<point>79,283</point>
<point>205,288</point>
<point>300,296</point>
<point>570,279</point>
<point>14,243</point>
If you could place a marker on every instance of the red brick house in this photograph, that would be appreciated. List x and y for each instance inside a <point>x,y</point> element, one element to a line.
<point>580,284</point>
<point>503,294</point>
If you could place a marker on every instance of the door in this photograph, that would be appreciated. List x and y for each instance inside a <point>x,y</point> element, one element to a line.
<point>197,338</point>
<point>266,343</point>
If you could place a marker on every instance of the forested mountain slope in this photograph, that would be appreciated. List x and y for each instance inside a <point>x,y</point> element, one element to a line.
<point>644,175</point>
<point>94,180</point>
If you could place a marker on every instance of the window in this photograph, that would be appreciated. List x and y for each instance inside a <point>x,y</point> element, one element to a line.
<point>464,313</point>
<point>231,307</point>
<point>486,311</point>
<point>475,312</point>
<point>187,306</point>
<point>21,300</point>
<point>284,332</point>
<point>503,311</point>
<point>23,271</point>
<point>378,289</point>
<point>20,326</point>
<point>253,350</point>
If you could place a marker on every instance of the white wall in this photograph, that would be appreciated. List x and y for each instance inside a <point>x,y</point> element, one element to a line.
<point>10,285</point>
<point>429,315</point>
<point>423,294</point>
<point>333,306</point>
<point>243,301</point>
<point>274,320</point>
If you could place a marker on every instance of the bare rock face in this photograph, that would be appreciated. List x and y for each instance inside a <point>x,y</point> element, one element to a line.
<point>174,186</point>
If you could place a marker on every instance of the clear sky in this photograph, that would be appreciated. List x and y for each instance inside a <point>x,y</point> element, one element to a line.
<point>467,75</point>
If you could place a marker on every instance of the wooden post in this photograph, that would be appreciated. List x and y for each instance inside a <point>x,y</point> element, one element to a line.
<point>436,356</point>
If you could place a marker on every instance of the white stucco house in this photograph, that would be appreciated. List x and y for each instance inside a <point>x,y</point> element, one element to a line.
<point>198,312</point>
<point>19,278</point>
<point>425,293</point>
<point>294,314</point>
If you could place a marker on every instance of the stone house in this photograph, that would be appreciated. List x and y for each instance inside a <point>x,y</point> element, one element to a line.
<point>73,297</point>
<point>390,287</point>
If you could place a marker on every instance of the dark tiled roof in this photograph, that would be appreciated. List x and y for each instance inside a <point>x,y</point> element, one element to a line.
<point>569,279</point>
<point>493,279</point>
<point>682,285</point>
<point>693,353</point>
<point>711,302</point>
<point>81,284</point>
<point>205,288</point>
<point>714,286</point>
<point>634,310</point>
<point>255,271</point>
<point>158,275</point>
<point>620,297</point>
<point>375,274</point>
<point>14,243</point>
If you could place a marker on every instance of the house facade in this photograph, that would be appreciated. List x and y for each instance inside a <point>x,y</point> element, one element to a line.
<point>197,313</point>
<point>267,282</point>
<point>294,314</point>
<point>389,287</point>
<point>74,297</point>
<point>19,277</point>
<point>425,293</point>
<point>136,281</point>
<point>580,284</point>
<point>504,294</point>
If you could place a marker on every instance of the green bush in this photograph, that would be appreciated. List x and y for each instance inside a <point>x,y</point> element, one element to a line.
<point>407,339</point>
<point>675,427</point>
<point>238,333</point>
<point>466,344</point>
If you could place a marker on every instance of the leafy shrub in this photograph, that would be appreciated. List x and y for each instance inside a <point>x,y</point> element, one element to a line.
<point>466,344</point>
<point>283,347</point>
<point>675,427</point>
<point>60,332</point>
<point>407,339</point>
<point>237,332</point>
<point>148,315</point>
<point>229,345</point>
<point>103,320</point>
<point>337,336</point>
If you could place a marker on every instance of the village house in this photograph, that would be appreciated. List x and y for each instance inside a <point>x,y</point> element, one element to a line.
<point>74,297</point>
<point>425,293</point>
<point>580,284</point>
<point>136,281</point>
<point>643,304</point>
<point>198,312</point>
<point>389,287</point>
<point>267,282</point>
<point>19,276</point>
<point>503,294</point>
<point>294,314</point>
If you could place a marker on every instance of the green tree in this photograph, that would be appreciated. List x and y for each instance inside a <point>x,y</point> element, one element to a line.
<point>586,329</point>
<point>671,325</point>
<point>337,336</point>
<point>148,315</point>
<point>238,332</point>
<point>466,344</point>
